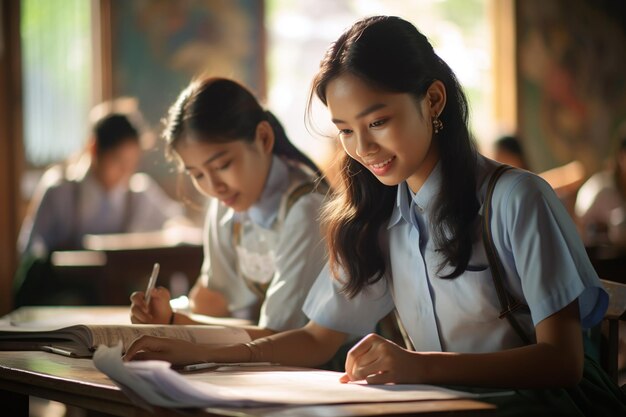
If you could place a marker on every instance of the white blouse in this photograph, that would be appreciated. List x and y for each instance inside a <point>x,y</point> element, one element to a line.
<point>283,256</point>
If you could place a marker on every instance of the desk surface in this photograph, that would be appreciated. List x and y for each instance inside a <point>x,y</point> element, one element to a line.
<point>609,262</point>
<point>77,382</point>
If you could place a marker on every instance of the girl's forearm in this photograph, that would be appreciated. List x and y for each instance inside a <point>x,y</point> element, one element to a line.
<point>309,346</point>
<point>534,366</point>
<point>207,302</point>
<point>556,360</point>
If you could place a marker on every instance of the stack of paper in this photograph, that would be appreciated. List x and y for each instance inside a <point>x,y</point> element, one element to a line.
<point>157,384</point>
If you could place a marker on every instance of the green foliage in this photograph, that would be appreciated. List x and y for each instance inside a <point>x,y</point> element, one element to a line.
<point>467,14</point>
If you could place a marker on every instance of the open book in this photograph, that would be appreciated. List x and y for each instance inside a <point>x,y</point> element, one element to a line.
<point>82,340</point>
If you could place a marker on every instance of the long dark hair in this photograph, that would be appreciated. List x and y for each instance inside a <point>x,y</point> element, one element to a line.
<point>220,110</point>
<point>618,175</point>
<point>391,54</point>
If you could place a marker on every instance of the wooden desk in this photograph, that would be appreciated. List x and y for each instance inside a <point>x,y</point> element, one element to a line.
<point>108,277</point>
<point>609,262</point>
<point>77,382</point>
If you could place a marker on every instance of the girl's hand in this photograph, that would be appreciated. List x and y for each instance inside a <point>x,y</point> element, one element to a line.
<point>175,351</point>
<point>380,361</point>
<point>158,312</point>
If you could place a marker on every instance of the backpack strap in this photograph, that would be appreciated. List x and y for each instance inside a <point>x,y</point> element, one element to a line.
<point>508,302</point>
<point>287,202</point>
<point>292,196</point>
<point>256,287</point>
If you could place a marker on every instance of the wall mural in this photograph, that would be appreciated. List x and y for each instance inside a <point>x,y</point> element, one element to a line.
<point>158,46</point>
<point>572,88</point>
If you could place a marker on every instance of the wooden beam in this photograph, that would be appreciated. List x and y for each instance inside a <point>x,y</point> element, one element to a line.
<point>102,58</point>
<point>11,149</point>
<point>502,16</point>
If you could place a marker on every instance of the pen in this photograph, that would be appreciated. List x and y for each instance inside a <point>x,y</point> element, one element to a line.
<point>206,365</point>
<point>58,351</point>
<point>152,282</point>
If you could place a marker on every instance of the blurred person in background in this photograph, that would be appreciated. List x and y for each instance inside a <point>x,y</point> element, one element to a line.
<point>601,215</point>
<point>564,179</point>
<point>601,203</point>
<point>98,193</point>
<point>508,150</point>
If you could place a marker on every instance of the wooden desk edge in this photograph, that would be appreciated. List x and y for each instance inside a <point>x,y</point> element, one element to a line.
<point>433,408</point>
<point>108,398</point>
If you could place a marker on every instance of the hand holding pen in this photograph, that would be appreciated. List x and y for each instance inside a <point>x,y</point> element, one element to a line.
<point>151,306</point>
<point>152,282</point>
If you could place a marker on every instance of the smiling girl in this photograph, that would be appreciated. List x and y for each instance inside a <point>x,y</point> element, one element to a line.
<point>404,232</point>
<point>263,247</point>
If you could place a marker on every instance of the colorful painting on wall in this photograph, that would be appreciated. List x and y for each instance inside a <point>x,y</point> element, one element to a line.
<point>159,45</point>
<point>572,89</point>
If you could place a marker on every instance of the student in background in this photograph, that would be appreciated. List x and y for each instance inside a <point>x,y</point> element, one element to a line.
<point>508,150</point>
<point>601,203</point>
<point>601,215</point>
<point>108,196</point>
<point>263,246</point>
<point>99,193</point>
<point>403,232</point>
<point>564,179</point>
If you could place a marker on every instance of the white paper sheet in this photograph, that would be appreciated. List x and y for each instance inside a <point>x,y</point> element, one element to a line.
<point>158,384</point>
<point>46,317</point>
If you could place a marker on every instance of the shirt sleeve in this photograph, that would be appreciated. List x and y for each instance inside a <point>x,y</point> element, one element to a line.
<point>543,250</point>
<point>327,306</point>
<point>46,225</point>
<point>300,255</point>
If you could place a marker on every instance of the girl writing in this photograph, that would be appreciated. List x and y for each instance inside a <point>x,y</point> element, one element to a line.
<point>404,232</point>
<point>263,248</point>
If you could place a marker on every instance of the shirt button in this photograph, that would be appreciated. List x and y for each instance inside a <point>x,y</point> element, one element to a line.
<point>419,209</point>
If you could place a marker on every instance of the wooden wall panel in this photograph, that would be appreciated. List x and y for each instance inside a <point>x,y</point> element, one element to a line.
<point>11,153</point>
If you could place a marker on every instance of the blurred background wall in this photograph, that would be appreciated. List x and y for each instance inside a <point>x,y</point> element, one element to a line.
<point>571,84</point>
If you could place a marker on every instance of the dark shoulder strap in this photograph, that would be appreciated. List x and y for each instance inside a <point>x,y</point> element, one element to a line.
<point>257,288</point>
<point>292,197</point>
<point>302,190</point>
<point>508,303</point>
<point>299,191</point>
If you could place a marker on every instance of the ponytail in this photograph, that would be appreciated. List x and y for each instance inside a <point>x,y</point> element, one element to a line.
<point>283,146</point>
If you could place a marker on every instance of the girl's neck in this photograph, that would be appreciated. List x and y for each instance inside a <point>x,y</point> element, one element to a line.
<point>417,180</point>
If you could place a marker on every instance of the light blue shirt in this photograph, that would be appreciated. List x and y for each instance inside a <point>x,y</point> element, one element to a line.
<point>545,262</point>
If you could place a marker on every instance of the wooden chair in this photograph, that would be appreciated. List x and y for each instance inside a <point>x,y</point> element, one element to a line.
<point>615,313</point>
